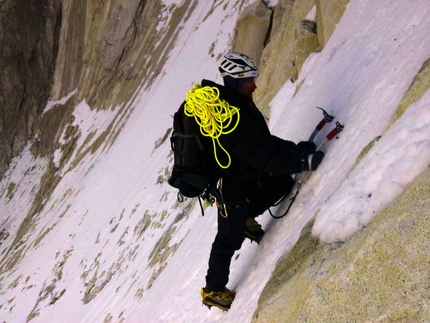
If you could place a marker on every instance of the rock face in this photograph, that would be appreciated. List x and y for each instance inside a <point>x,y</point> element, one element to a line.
<point>65,52</point>
<point>293,37</point>
<point>380,275</point>
<point>419,86</point>
<point>30,36</point>
<point>101,58</point>
<point>278,58</point>
<point>252,30</point>
<point>79,49</point>
<point>328,15</point>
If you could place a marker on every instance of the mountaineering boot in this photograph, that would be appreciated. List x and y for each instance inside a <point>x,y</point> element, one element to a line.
<point>222,300</point>
<point>253,230</point>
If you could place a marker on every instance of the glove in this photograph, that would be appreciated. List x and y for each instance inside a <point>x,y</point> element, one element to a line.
<point>312,160</point>
<point>306,147</point>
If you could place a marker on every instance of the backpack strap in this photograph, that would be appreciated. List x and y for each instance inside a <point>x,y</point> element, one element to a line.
<point>190,136</point>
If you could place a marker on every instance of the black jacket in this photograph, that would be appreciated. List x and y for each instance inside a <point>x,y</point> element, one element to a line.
<point>253,149</point>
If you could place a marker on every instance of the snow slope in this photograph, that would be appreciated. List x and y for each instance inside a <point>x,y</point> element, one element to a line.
<point>112,245</point>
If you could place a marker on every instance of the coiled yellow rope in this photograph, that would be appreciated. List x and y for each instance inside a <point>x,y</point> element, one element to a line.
<point>214,115</point>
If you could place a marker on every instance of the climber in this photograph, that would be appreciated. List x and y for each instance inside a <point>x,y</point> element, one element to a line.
<point>259,174</point>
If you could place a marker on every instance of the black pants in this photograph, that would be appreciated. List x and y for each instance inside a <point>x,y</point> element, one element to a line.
<point>230,236</point>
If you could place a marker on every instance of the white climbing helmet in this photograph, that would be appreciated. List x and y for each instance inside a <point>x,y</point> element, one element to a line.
<point>238,66</point>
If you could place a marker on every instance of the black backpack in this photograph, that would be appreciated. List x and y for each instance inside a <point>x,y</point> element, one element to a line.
<point>192,172</point>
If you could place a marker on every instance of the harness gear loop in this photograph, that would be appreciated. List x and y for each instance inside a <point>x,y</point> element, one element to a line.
<point>214,115</point>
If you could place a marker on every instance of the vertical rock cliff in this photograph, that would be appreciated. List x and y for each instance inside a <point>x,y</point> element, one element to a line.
<point>29,37</point>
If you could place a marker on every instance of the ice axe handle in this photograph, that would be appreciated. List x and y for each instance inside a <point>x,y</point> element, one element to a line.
<point>335,131</point>
<point>321,124</point>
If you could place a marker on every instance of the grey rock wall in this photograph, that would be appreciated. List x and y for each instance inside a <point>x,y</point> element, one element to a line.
<point>97,50</point>
<point>252,30</point>
<point>29,38</point>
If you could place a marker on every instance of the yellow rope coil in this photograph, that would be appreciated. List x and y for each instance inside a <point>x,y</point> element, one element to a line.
<point>215,116</point>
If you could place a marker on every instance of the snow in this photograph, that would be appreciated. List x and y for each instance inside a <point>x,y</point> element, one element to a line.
<point>63,100</point>
<point>111,243</point>
<point>91,126</point>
